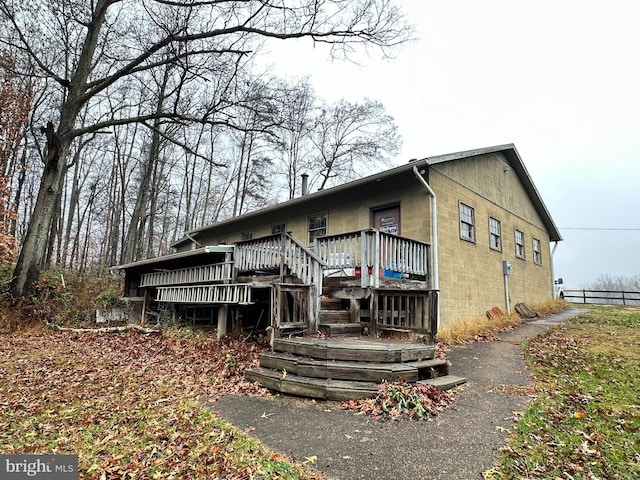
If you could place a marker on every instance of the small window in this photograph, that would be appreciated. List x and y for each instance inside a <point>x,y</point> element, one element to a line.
<point>317,226</point>
<point>537,252</point>
<point>519,244</point>
<point>495,235</point>
<point>246,234</point>
<point>278,228</point>
<point>467,223</point>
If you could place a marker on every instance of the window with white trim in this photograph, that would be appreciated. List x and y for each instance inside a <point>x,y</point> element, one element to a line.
<point>495,234</point>
<point>537,251</point>
<point>519,244</point>
<point>467,223</point>
<point>317,226</point>
<point>278,228</point>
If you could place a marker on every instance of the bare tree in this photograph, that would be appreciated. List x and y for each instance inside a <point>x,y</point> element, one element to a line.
<point>91,47</point>
<point>352,138</point>
<point>15,102</point>
<point>296,108</point>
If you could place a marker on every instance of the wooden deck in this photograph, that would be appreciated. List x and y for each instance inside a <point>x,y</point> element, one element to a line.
<point>345,369</point>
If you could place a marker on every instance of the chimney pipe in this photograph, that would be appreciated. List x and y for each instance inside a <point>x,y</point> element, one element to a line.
<point>305,185</point>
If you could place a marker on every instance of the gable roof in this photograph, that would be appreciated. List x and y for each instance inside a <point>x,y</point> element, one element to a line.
<point>509,151</point>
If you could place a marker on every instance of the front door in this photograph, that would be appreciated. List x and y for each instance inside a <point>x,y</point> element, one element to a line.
<point>386,219</point>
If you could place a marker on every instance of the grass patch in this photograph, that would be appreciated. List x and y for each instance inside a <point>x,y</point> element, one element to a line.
<point>484,328</point>
<point>481,328</point>
<point>128,405</point>
<point>585,424</point>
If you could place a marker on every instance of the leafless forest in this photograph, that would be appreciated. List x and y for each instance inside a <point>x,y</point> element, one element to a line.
<point>123,124</point>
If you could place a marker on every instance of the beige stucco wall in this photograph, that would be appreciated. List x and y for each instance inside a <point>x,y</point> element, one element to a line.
<point>471,279</point>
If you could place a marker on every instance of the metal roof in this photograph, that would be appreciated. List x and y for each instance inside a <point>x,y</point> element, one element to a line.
<point>509,150</point>
<point>179,258</point>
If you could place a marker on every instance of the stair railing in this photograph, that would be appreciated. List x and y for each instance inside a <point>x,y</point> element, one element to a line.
<point>284,253</point>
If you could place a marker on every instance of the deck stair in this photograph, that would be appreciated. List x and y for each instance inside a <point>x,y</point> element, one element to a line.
<point>335,318</point>
<point>344,369</point>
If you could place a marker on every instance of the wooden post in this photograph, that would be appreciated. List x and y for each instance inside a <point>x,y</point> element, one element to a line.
<point>373,312</point>
<point>143,317</point>
<point>222,321</point>
<point>174,315</point>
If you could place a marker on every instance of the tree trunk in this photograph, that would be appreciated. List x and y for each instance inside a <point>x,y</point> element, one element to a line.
<point>34,248</point>
<point>35,243</point>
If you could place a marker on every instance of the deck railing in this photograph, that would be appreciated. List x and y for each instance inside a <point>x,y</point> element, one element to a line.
<point>217,272</point>
<point>237,293</point>
<point>403,310</point>
<point>375,253</point>
<point>280,251</point>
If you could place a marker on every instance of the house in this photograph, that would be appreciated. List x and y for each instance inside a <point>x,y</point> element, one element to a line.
<point>422,245</point>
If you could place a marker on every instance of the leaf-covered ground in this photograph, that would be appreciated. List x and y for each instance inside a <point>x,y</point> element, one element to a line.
<point>585,423</point>
<point>403,401</point>
<point>128,404</point>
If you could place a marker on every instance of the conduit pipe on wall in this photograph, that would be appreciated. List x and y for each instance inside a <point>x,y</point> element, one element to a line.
<point>553,278</point>
<point>434,231</point>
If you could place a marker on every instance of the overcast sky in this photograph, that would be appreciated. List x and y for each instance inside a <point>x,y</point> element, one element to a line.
<point>560,80</point>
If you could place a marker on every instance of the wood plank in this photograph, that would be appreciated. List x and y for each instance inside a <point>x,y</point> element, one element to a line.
<point>279,361</point>
<point>358,371</point>
<point>444,383</point>
<point>341,390</point>
<point>361,350</point>
<point>311,387</point>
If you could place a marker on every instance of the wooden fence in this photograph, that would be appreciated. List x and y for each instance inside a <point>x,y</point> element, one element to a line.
<point>602,297</point>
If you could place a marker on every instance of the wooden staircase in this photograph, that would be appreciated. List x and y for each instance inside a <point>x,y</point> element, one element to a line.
<point>335,318</point>
<point>339,369</point>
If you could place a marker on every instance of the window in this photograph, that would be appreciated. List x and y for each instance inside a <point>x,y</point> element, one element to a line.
<point>278,228</point>
<point>467,225</point>
<point>495,241</point>
<point>537,252</point>
<point>519,244</point>
<point>246,234</point>
<point>317,226</point>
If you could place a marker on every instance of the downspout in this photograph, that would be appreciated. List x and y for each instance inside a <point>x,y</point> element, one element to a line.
<point>434,233</point>
<point>553,279</point>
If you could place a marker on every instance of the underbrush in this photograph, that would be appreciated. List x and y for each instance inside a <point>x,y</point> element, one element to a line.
<point>61,297</point>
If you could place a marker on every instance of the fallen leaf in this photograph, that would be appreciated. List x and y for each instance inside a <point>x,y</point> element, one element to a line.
<point>579,415</point>
<point>311,459</point>
<point>266,415</point>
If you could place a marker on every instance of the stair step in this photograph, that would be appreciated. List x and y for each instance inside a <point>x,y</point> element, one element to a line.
<point>432,368</point>
<point>339,370</point>
<point>332,329</point>
<point>330,304</point>
<point>325,389</point>
<point>359,350</point>
<point>444,383</point>
<point>334,316</point>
